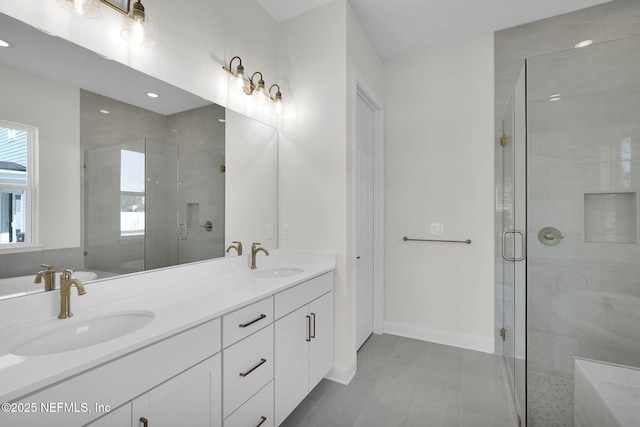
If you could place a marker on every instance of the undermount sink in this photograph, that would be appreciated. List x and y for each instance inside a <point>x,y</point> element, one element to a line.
<point>277,272</point>
<point>75,333</point>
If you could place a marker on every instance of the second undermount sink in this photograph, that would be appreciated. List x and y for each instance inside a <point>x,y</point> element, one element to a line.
<point>277,272</point>
<point>75,333</point>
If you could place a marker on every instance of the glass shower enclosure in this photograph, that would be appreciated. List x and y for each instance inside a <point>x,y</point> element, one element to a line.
<point>150,204</point>
<point>567,209</point>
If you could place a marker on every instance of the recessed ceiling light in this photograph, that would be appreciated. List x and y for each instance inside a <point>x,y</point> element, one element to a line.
<point>583,43</point>
<point>105,111</point>
<point>221,120</point>
<point>4,43</point>
<point>152,95</point>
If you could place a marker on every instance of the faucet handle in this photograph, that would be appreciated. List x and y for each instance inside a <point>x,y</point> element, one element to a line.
<point>48,267</point>
<point>66,273</point>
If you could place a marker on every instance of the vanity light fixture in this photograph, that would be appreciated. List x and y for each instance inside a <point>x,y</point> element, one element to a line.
<point>87,8</point>
<point>277,99</point>
<point>135,28</point>
<point>238,74</point>
<point>259,92</point>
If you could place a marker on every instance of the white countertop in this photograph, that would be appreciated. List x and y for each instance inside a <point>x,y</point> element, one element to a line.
<point>214,288</point>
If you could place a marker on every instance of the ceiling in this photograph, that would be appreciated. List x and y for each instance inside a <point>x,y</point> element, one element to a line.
<point>398,27</point>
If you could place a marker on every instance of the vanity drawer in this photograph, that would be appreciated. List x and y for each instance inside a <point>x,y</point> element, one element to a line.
<point>257,411</point>
<point>245,321</point>
<point>248,366</point>
<point>299,295</point>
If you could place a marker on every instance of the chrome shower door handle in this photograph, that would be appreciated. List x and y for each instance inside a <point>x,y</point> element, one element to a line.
<point>504,246</point>
<point>183,231</point>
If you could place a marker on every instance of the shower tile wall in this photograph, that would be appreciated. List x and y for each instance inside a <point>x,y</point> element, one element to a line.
<point>195,129</point>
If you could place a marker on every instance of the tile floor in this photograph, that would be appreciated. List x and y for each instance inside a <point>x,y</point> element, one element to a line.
<point>403,382</point>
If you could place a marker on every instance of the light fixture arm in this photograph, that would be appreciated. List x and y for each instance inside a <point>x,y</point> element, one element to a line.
<point>278,93</point>
<point>238,68</point>
<point>252,87</point>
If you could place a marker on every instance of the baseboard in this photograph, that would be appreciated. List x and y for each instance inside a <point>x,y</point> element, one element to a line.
<point>440,336</point>
<point>342,374</point>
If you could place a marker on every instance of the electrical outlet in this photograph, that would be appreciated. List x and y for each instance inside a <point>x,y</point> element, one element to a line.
<point>286,232</point>
<point>269,231</point>
<point>437,229</point>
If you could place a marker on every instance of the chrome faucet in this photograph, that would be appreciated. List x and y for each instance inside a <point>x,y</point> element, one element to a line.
<point>254,251</point>
<point>49,276</point>
<point>237,247</point>
<point>65,292</point>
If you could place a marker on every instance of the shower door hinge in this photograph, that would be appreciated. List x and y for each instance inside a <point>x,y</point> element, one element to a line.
<point>503,334</point>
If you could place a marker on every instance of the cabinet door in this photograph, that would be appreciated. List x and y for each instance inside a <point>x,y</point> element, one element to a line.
<point>189,399</point>
<point>291,362</point>
<point>120,417</point>
<point>321,345</point>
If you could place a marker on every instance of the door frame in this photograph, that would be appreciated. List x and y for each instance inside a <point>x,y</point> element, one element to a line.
<point>361,90</point>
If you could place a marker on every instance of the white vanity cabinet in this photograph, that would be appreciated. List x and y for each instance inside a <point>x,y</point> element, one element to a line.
<point>303,341</point>
<point>189,399</point>
<point>248,365</point>
<point>116,418</point>
<point>154,371</point>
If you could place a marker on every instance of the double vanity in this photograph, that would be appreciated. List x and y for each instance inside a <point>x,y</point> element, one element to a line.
<point>207,344</point>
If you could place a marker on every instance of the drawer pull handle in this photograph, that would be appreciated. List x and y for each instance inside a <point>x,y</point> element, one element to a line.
<point>257,319</point>
<point>144,421</point>
<point>262,361</point>
<point>313,334</point>
<point>262,420</point>
<point>308,328</point>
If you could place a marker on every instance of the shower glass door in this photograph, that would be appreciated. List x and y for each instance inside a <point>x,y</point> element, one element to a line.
<point>583,178</point>
<point>511,213</point>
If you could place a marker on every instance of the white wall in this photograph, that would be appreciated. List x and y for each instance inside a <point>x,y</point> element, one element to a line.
<point>54,109</point>
<point>439,169</point>
<point>312,149</point>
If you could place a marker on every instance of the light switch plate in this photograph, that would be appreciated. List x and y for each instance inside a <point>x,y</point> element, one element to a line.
<point>437,229</point>
<point>286,232</point>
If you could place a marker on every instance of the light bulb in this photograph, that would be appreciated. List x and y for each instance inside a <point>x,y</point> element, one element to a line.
<point>135,28</point>
<point>86,8</point>
<point>278,106</point>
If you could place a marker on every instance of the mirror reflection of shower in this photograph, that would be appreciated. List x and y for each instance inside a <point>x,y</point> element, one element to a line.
<point>146,203</point>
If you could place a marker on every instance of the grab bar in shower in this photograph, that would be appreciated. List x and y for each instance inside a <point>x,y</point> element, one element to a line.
<point>406,239</point>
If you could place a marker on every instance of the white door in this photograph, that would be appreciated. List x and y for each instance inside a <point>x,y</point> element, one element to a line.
<point>364,220</point>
